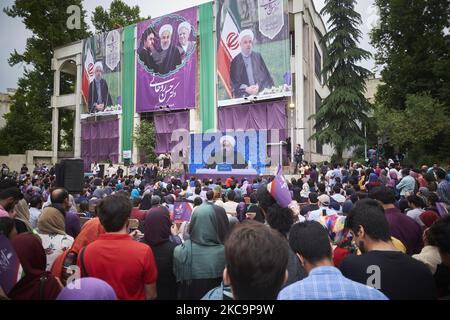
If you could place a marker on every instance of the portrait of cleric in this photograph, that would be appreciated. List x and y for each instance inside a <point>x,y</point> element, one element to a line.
<point>227,155</point>
<point>99,97</point>
<point>248,71</point>
<point>160,54</point>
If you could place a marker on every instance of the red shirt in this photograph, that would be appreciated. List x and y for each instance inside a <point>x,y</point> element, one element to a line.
<point>122,262</point>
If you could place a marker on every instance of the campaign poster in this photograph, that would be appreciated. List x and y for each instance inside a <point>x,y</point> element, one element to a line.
<point>166,62</point>
<point>102,74</point>
<point>253,55</point>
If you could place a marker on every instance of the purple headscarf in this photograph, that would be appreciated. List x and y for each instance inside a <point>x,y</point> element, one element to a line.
<point>88,289</point>
<point>157,226</point>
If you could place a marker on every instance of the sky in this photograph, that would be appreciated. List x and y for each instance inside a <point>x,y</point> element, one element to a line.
<point>13,35</point>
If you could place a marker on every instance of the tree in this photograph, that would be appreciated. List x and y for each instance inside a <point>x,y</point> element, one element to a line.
<point>144,136</point>
<point>28,124</point>
<point>119,15</point>
<point>342,115</point>
<point>413,46</point>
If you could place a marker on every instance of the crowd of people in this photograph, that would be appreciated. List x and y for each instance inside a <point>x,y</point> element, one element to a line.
<point>330,233</point>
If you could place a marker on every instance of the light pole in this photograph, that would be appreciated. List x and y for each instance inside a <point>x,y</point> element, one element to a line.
<point>292,108</point>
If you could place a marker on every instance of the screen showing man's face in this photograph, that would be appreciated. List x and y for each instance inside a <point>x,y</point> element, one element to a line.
<point>246,45</point>
<point>183,36</point>
<point>150,41</point>
<point>165,40</point>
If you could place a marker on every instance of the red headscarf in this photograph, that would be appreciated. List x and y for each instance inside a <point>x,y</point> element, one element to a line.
<point>37,284</point>
<point>89,233</point>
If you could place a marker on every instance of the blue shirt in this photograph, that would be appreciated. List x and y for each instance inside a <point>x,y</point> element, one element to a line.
<point>328,283</point>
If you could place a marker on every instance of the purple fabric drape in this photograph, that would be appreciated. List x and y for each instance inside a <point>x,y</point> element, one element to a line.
<point>258,116</point>
<point>99,141</point>
<point>165,124</point>
<point>269,115</point>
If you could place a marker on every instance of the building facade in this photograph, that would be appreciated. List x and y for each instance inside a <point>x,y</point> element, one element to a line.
<point>306,29</point>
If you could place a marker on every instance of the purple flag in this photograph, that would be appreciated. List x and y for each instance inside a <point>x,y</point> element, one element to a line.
<point>166,62</point>
<point>9,265</point>
<point>182,211</point>
<point>279,189</point>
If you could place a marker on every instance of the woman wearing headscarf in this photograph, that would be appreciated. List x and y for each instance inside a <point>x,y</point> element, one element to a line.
<point>146,202</point>
<point>36,283</point>
<point>157,235</point>
<point>51,230</point>
<point>22,217</point>
<point>89,233</point>
<point>88,289</point>
<point>384,178</point>
<point>373,182</point>
<point>199,262</point>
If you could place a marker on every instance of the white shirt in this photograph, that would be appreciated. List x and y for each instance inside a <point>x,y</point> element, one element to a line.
<point>54,245</point>
<point>415,215</point>
<point>230,207</point>
<point>316,214</point>
<point>34,216</point>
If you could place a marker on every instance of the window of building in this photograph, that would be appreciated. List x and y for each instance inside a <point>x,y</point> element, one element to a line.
<point>319,146</point>
<point>306,42</point>
<point>317,63</point>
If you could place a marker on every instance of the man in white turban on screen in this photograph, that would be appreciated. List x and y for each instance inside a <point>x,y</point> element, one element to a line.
<point>227,155</point>
<point>248,71</point>
<point>185,46</point>
<point>170,57</point>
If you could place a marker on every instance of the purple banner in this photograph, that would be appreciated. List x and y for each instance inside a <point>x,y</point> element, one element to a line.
<point>9,265</point>
<point>166,62</point>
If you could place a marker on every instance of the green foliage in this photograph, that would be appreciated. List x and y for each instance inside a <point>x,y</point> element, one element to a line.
<point>343,113</point>
<point>419,123</point>
<point>144,137</point>
<point>28,123</point>
<point>413,46</point>
<point>119,15</point>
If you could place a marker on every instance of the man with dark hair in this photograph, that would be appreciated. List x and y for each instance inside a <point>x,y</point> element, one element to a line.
<point>394,273</point>
<point>148,54</point>
<point>401,227</point>
<point>210,196</point>
<point>443,188</point>
<point>310,242</point>
<point>255,273</point>
<point>230,206</point>
<point>436,254</point>
<point>127,265</point>
<point>313,204</point>
<point>10,195</point>
<point>60,200</point>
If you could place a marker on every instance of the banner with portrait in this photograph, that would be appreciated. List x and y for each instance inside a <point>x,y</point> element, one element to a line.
<point>166,62</point>
<point>102,74</point>
<point>253,55</point>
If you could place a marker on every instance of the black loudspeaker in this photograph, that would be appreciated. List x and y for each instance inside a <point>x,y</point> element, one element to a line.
<point>70,175</point>
<point>101,173</point>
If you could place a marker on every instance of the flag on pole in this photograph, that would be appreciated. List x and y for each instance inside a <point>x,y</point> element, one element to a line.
<point>279,189</point>
<point>228,49</point>
<point>88,71</point>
